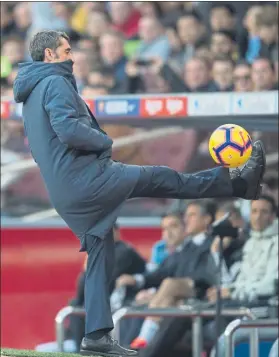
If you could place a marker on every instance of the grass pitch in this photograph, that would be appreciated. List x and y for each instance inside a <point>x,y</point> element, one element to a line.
<point>25,353</point>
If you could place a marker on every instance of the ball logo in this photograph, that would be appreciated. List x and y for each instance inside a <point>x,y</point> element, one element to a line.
<point>153,107</point>
<point>164,107</point>
<point>174,106</point>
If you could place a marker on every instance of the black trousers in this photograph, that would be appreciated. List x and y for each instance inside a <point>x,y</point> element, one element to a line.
<point>154,181</point>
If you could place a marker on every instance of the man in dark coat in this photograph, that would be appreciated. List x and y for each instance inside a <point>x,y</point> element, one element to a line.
<point>86,187</point>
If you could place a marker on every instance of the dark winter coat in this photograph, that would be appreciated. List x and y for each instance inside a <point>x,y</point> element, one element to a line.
<point>85,186</point>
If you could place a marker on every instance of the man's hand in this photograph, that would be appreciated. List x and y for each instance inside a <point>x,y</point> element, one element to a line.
<point>144,296</point>
<point>125,280</point>
<point>211,294</point>
<point>157,65</point>
<point>216,243</point>
<point>132,69</point>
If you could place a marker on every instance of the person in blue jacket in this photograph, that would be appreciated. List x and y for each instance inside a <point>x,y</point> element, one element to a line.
<point>86,187</point>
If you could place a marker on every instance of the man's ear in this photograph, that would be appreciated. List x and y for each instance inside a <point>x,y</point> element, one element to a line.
<point>48,55</point>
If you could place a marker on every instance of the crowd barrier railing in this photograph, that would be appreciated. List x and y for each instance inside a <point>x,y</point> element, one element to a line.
<point>241,324</point>
<point>185,311</point>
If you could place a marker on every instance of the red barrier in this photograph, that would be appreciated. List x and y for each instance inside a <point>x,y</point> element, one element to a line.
<point>39,268</point>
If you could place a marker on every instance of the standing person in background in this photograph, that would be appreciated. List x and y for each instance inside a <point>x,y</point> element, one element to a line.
<point>87,188</point>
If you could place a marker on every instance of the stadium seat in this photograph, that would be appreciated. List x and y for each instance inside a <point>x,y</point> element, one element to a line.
<point>274,349</point>
<point>267,336</point>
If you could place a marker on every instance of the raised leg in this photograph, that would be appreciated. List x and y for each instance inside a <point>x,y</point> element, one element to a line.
<point>163,182</point>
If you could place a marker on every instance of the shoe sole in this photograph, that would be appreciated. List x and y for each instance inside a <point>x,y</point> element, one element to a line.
<point>103,354</point>
<point>260,186</point>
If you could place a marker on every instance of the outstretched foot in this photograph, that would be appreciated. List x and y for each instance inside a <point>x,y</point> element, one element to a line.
<point>105,347</point>
<point>252,173</point>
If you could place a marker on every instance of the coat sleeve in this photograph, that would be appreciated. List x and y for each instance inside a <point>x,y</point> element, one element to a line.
<point>165,270</point>
<point>176,83</point>
<point>263,287</point>
<point>61,106</point>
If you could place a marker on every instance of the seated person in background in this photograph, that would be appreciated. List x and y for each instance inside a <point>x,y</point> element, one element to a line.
<point>256,278</point>
<point>259,266</point>
<point>173,235</point>
<point>179,278</point>
<point>158,254</point>
<point>127,261</point>
<point>171,239</point>
<point>232,247</point>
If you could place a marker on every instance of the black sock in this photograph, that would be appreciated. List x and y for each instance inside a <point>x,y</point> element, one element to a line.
<point>96,335</point>
<point>239,186</point>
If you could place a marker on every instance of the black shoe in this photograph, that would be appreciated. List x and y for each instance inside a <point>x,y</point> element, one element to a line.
<point>105,347</point>
<point>253,172</point>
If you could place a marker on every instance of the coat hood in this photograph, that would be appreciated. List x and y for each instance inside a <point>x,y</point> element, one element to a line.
<point>32,73</point>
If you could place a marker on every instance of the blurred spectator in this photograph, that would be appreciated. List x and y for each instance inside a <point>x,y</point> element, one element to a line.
<point>223,42</point>
<point>149,8</point>
<point>175,279</point>
<point>11,77</point>
<point>153,41</point>
<point>263,75</point>
<point>97,24</point>
<point>49,15</point>
<point>275,64</point>
<point>242,80</point>
<point>13,49</point>
<point>82,67</point>
<point>112,53</point>
<point>80,15</point>
<point>91,91</point>
<point>7,21</point>
<point>253,45</point>
<point>196,77</point>
<point>222,17</point>
<point>22,18</point>
<point>267,24</point>
<point>124,17</point>
<point>222,73</point>
<point>104,77</point>
<point>259,266</point>
<point>190,31</point>
<point>271,180</point>
<point>171,11</point>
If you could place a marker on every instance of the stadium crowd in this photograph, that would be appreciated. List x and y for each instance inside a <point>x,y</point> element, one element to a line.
<point>164,47</point>
<point>153,47</point>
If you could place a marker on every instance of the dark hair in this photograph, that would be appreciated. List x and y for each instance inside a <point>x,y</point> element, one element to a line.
<point>45,39</point>
<point>229,207</point>
<point>265,58</point>
<point>230,8</point>
<point>193,14</point>
<point>207,206</point>
<point>173,213</point>
<point>271,201</point>
<point>229,34</point>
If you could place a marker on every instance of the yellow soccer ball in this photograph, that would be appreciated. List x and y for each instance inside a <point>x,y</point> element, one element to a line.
<point>230,145</point>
